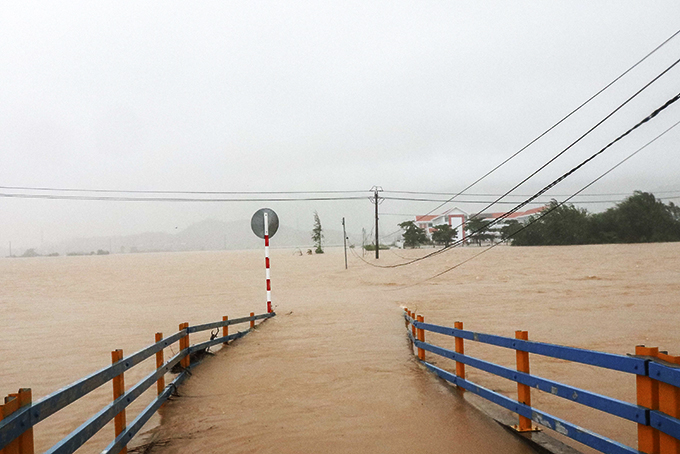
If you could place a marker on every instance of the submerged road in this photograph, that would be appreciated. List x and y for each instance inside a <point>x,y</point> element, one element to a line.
<point>330,373</point>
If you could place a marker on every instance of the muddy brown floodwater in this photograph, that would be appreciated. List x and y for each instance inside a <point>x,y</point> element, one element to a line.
<point>333,371</point>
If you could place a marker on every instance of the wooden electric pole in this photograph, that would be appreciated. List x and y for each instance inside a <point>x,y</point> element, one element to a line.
<point>344,240</point>
<point>376,200</point>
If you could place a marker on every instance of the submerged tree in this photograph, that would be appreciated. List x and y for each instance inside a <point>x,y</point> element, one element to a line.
<point>317,233</point>
<point>478,229</point>
<point>414,236</point>
<point>641,218</point>
<point>444,234</point>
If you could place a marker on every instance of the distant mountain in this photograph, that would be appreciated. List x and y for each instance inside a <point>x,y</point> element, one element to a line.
<point>206,235</point>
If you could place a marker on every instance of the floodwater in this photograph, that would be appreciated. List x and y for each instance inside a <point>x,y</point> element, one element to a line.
<point>333,371</point>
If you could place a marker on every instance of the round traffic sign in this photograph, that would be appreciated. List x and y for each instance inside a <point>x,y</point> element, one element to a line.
<point>257,222</point>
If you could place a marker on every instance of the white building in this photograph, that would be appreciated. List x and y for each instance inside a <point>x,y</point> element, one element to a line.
<point>455,217</point>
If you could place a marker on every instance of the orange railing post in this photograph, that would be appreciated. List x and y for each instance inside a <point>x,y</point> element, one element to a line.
<point>421,338</point>
<point>183,345</point>
<point>405,320</point>
<point>26,439</point>
<point>160,360</point>
<point>11,405</point>
<point>413,327</point>
<point>225,328</point>
<point>460,348</point>
<point>669,403</point>
<point>523,391</point>
<point>252,322</point>
<point>648,397</point>
<point>119,390</point>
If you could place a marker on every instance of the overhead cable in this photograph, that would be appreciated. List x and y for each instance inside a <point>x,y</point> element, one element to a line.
<point>136,191</point>
<point>545,189</point>
<point>533,220</point>
<point>169,199</point>
<point>558,123</point>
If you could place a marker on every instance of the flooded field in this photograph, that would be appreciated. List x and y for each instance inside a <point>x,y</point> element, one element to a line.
<point>333,370</point>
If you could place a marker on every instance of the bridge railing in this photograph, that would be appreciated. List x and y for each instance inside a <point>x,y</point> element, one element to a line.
<point>657,381</point>
<point>19,414</point>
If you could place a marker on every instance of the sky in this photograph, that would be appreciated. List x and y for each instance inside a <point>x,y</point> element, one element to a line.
<point>320,96</point>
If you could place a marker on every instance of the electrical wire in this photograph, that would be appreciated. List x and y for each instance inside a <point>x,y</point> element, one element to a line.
<point>558,123</point>
<point>532,221</point>
<point>608,194</point>
<point>546,188</point>
<point>133,191</point>
<point>502,202</point>
<point>169,199</point>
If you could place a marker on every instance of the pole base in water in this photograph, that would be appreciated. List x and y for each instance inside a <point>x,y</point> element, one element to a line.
<point>533,428</point>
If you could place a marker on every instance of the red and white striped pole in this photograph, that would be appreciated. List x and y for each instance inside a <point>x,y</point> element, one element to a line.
<point>266,262</point>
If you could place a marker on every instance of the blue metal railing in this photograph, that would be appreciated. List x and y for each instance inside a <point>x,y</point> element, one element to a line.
<point>25,418</point>
<point>634,365</point>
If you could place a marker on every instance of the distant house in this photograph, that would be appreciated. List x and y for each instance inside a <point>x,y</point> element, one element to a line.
<point>519,216</point>
<point>455,217</point>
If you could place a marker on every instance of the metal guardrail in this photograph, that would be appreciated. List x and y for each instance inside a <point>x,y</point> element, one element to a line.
<point>658,386</point>
<point>16,427</point>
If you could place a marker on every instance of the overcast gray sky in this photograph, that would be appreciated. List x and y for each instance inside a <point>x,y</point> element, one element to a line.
<point>278,96</point>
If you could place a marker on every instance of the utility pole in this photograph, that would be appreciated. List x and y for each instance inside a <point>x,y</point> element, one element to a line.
<point>344,240</point>
<point>376,200</point>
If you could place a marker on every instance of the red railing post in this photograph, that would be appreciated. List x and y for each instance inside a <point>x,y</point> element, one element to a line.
<point>421,338</point>
<point>160,360</point>
<point>523,391</point>
<point>183,345</point>
<point>119,390</point>
<point>225,328</point>
<point>252,322</point>
<point>460,348</point>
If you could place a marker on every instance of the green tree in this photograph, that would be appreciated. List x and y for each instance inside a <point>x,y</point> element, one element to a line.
<point>414,236</point>
<point>641,218</point>
<point>565,224</point>
<point>479,230</point>
<point>444,234</point>
<point>317,233</point>
<point>510,228</point>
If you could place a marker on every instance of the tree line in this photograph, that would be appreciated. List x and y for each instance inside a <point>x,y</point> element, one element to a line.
<point>641,218</point>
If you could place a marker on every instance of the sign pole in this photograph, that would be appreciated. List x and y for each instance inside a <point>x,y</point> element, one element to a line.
<point>266,262</point>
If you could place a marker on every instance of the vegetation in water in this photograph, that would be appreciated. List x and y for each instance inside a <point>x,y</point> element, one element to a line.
<point>641,218</point>
<point>317,234</point>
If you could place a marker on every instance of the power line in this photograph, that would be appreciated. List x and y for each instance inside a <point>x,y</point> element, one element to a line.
<point>169,199</point>
<point>604,194</point>
<point>546,188</point>
<point>545,213</point>
<point>559,122</point>
<point>535,196</point>
<point>133,191</point>
<point>505,202</point>
<point>588,132</point>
